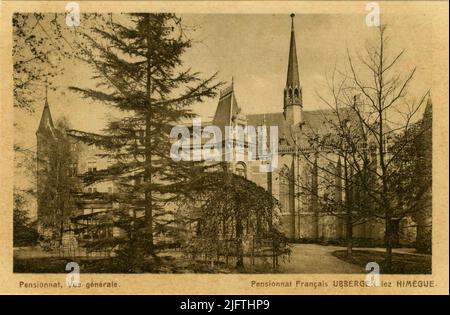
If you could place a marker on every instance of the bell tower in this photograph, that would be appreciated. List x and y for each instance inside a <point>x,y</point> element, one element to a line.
<point>293,105</point>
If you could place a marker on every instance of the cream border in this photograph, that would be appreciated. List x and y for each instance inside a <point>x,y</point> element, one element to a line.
<point>232,284</point>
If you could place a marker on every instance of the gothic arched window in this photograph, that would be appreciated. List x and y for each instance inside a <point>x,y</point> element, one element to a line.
<point>296,93</point>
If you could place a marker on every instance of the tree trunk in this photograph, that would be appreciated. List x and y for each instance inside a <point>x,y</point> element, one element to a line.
<point>60,208</point>
<point>61,232</point>
<point>148,155</point>
<point>381,148</point>
<point>269,189</point>
<point>349,202</point>
<point>349,236</point>
<point>239,245</point>
<point>388,261</point>
<point>148,192</point>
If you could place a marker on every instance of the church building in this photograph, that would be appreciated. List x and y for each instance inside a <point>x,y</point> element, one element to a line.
<point>303,217</point>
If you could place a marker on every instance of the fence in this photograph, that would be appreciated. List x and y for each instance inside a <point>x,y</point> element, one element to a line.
<point>70,247</point>
<point>230,250</point>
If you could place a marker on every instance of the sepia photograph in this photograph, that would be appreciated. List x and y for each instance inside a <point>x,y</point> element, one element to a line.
<point>222,143</point>
<point>214,148</point>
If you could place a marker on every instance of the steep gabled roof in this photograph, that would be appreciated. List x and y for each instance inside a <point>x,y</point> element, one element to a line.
<point>319,120</point>
<point>268,119</point>
<point>316,122</point>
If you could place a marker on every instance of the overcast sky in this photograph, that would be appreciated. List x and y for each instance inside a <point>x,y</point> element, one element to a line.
<point>254,50</point>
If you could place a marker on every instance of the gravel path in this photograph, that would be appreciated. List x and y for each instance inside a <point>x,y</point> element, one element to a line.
<point>312,258</point>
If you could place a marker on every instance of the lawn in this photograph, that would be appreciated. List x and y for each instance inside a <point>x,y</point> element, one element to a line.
<point>107,265</point>
<point>401,263</point>
<point>164,264</point>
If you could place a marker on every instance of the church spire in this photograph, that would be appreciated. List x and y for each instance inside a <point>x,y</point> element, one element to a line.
<point>292,92</point>
<point>292,80</point>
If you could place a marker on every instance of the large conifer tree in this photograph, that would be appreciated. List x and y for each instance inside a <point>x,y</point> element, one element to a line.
<point>138,64</point>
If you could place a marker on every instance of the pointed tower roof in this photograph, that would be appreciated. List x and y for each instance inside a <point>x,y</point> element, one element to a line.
<point>227,110</point>
<point>293,79</point>
<point>46,123</point>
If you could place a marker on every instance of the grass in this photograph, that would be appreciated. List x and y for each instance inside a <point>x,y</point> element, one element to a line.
<point>164,264</point>
<point>106,265</point>
<point>58,265</point>
<point>401,263</point>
